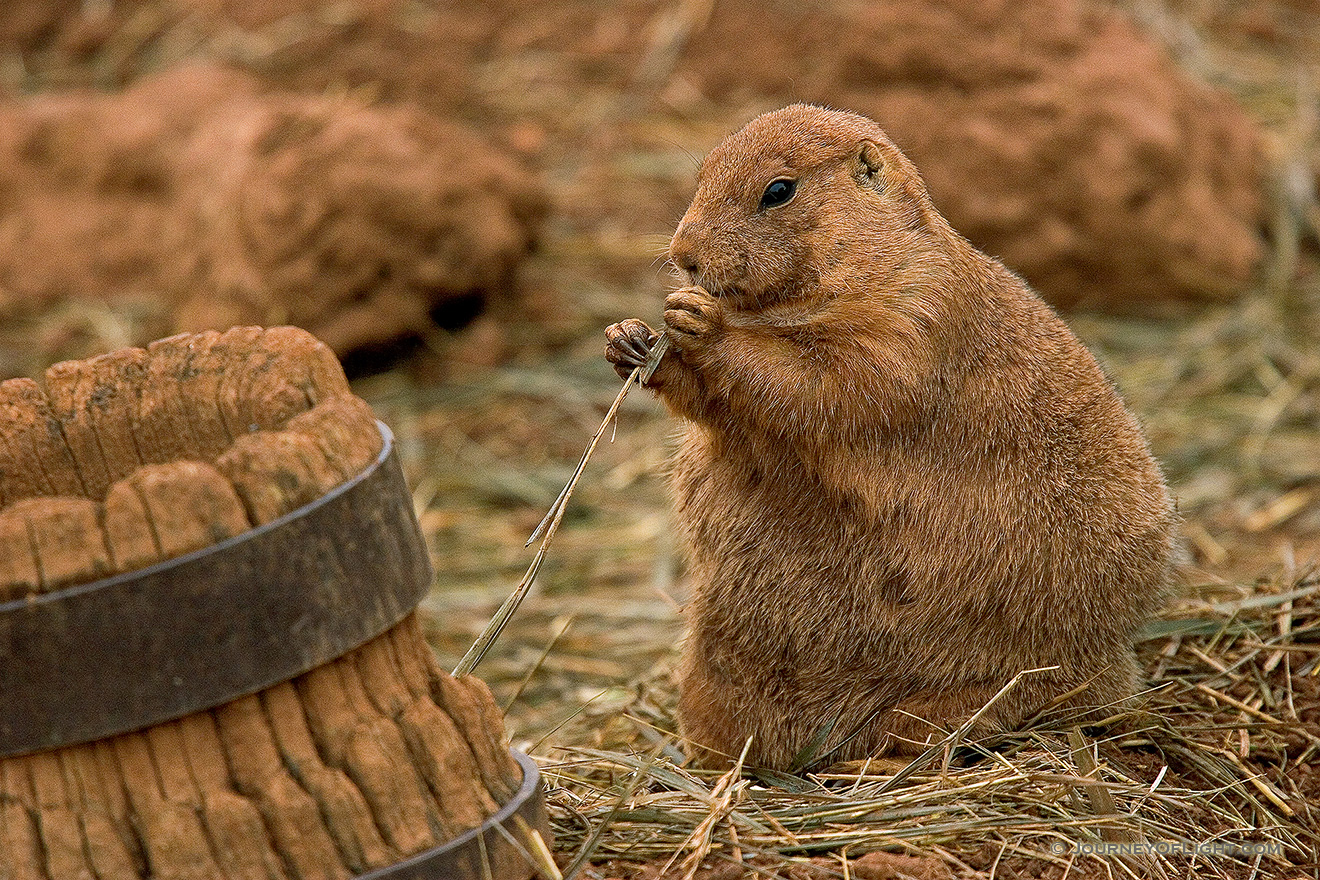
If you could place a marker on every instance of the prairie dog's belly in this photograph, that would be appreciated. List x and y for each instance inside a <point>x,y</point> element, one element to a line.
<point>784,567</point>
<point>786,564</point>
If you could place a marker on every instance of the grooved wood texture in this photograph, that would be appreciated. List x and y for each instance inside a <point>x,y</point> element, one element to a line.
<point>140,455</point>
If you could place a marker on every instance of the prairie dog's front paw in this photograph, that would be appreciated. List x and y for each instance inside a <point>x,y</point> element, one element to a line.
<point>691,314</point>
<point>627,345</point>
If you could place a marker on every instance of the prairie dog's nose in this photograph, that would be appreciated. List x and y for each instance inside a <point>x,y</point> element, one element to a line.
<point>683,250</point>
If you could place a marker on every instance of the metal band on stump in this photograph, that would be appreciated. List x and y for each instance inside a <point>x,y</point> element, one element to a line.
<point>483,851</point>
<point>199,630</point>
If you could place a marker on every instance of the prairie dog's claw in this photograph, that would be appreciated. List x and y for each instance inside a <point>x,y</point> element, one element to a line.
<point>628,345</point>
<point>691,312</point>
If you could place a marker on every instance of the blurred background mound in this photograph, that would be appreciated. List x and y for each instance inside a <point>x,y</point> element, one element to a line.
<point>1052,134</point>
<point>358,223</point>
<point>205,203</point>
<point>380,168</point>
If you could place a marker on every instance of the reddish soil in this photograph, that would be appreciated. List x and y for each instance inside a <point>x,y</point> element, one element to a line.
<point>364,224</point>
<point>1053,133</point>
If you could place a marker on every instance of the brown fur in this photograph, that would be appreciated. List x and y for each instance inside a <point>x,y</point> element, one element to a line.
<point>902,479</point>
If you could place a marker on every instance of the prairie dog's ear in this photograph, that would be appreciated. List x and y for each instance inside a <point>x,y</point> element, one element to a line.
<point>869,167</point>
<point>879,166</point>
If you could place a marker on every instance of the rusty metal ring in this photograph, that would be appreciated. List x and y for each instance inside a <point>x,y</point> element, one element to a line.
<point>194,632</point>
<point>494,849</point>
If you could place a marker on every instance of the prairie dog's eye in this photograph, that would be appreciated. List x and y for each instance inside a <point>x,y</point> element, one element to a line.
<point>778,192</point>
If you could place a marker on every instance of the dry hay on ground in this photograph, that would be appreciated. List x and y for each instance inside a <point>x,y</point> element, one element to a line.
<point>1222,748</point>
<point>1230,395</point>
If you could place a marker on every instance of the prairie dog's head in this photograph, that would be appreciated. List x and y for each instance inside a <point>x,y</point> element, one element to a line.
<point>795,204</point>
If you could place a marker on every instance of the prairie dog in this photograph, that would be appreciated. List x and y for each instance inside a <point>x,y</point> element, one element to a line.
<point>902,478</point>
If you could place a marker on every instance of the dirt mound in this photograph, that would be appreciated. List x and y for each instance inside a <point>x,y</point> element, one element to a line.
<point>88,182</point>
<point>1053,133</point>
<point>359,223</point>
<point>1050,132</point>
<point>354,222</point>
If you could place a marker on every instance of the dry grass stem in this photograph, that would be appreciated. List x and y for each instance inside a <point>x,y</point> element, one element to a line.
<point>547,528</point>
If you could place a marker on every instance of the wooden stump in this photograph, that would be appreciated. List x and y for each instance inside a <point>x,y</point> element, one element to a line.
<point>142,455</point>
